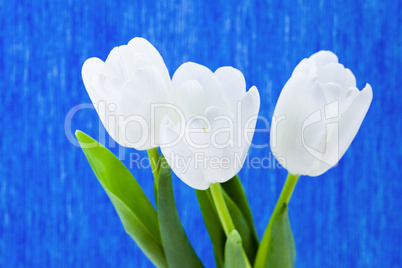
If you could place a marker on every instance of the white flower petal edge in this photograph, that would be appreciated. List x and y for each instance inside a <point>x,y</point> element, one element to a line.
<point>317,116</point>
<point>209,143</point>
<point>123,88</point>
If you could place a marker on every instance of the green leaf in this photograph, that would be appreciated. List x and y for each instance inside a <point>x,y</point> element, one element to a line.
<point>178,250</point>
<point>234,256</point>
<point>139,218</point>
<point>282,250</point>
<point>250,245</point>
<point>235,191</point>
<point>153,155</point>
<point>234,195</point>
<point>213,224</point>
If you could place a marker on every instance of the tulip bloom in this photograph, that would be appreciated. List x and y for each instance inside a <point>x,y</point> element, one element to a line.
<point>124,87</point>
<point>317,116</point>
<point>209,141</point>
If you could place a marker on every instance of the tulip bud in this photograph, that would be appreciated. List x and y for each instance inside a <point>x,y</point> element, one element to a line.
<point>317,116</point>
<point>124,87</point>
<point>209,144</point>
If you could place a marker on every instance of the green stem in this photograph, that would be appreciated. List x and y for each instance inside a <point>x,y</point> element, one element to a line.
<point>284,198</point>
<point>287,191</point>
<point>248,265</point>
<point>223,213</point>
<point>153,156</point>
<point>221,208</point>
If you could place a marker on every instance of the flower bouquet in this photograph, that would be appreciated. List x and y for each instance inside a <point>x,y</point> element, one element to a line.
<point>203,122</point>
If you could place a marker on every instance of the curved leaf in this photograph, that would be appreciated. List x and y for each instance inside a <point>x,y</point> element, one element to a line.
<point>250,245</point>
<point>235,191</point>
<point>136,213</point>
<point>234,255</point>
<point>242,224</point>
<point>213,224</point>
<point>282,250</point>
<point>178,250</point>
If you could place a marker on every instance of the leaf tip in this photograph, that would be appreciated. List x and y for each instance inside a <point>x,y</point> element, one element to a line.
<point>234,236</point>
<point>283,209</point>
<point>83,138</point>
<point>79,135</point>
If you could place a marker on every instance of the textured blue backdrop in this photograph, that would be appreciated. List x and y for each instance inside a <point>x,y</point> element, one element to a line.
<point>54,213</point>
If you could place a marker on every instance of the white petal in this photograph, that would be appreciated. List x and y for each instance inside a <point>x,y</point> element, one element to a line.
<point>331,73</point>
<point>195,89</point>
<point>241,137</point>
<point>122,60</point>
<point>300,102</point>
<point>232,82</point>
<point>350,79</point>
<point>224,157</point>
<point>250,106</point>
<point>139,53</point>
<point>352,118</point>
<point>151,83</point>
<point>219,119</point>
<point>349,97</point>
<point>328,156</point>
<point>181,158</point>
<point>317,117</point>
<point>333,92</point>
<point>191,71</point>
<point>147,88</point>
<point>341,136</point>
<point>198,133</point>
<point>100,81</point>
<point>216,96</point>
<point>141,45</point>
<point>91,67</point>
<point>303,67</point>
<point>132,78</point>
<point>191,97</point>
<point>228,146</point>
<point>323,57</point>
<point>103,89</point>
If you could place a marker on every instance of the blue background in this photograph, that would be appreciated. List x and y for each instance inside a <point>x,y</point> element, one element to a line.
<point>54,213</point>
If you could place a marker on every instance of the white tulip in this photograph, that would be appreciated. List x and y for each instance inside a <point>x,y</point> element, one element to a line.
<point>122,89</point>
<point>317,116</point>
<point>210,141</point>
